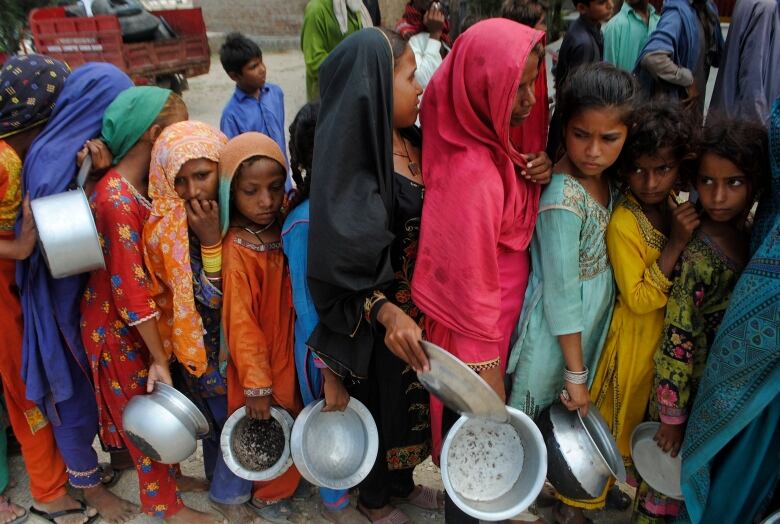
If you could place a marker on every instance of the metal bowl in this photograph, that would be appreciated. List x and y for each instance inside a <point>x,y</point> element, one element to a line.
<point>501,496</point>
<point>658,468</point>
<point>334,449</point>
<point>234,425</point>
<point>165,425</point>
<point>68,236</point>
<point>582,455</point>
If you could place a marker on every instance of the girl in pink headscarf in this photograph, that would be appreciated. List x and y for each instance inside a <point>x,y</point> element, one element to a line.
<point>483,133</point>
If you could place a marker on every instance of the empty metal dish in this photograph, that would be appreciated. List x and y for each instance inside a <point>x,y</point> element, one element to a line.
<point>505,479</point>
<point>582,455</point>
<point>164,424</point>
<point>335,449</point>
<point>232,429</point>
<point>459,387</point>
<point>658,468</point>
<point>66,230</point>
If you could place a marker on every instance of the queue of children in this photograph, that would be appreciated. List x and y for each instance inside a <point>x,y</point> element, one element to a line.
<point>584,278</point>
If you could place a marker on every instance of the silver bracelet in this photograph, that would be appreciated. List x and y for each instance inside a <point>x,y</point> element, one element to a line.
<point>575,377</point>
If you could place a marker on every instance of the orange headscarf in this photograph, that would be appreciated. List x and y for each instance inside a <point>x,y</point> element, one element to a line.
<point>166,240</point>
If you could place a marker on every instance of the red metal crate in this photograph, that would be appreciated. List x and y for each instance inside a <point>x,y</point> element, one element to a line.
<point>77,40</point>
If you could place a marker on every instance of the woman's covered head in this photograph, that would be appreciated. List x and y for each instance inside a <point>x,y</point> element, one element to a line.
<point>29,87</point>
<point>302,148</point>
<point>139,114</point>
<point>406,88</point>
<point>525,98</point>
<point>596,106</point>
<point>184,162</point>
<point>252,172</point>
<point>488,80</point>
<point>733,167</point>
<point>660,148</point>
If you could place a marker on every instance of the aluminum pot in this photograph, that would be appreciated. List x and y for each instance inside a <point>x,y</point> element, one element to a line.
<point>66,231</point>
<point>233,427</point>
<point>501,496</point>
<point>335,449</point>
<point>165,425</point>
<point>582,455</point>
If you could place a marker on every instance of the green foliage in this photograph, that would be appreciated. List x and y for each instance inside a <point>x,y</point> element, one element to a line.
<point>14,20</point>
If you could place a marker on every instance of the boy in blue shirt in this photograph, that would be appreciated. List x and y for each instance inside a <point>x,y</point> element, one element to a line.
<point>255,104</point>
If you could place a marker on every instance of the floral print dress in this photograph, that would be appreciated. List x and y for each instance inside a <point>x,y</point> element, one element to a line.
<point>704,280</point>
<point>117,299</point>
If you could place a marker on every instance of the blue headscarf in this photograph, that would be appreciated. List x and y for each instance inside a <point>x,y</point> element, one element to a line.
<point>51,306</point>
<point>730,453</point>
<point>677,33</point>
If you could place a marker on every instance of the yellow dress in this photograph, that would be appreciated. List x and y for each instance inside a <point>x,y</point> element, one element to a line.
<point>624,379</point>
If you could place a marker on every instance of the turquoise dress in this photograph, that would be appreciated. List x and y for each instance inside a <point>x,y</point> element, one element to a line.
<point>570,290</point>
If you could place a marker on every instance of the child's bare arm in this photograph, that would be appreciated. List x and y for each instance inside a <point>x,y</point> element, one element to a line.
<point>22,246</point>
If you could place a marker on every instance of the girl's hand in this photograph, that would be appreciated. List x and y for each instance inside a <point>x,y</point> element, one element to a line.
<point>203,219</point>
<point>434,21</point>
<point>669,438</point>
<point>100,153</point>
<point>336,396</point>
<point>403,336</point>
<point>158,371</point>
<point>685,220</point>
<point>538,168</point>
<point>258,407</point>
<point>25,242</point>
<point>576,396</point>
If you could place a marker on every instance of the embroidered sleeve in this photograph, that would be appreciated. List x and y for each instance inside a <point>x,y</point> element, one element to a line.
<point>683,336</point>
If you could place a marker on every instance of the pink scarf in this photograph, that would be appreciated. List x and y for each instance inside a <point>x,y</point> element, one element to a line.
<point>476,204</point>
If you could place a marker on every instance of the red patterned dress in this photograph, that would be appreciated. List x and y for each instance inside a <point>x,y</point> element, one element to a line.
<point>116,299</point>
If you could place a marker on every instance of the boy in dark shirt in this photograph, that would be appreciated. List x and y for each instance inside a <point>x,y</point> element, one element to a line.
<point>583,43</point>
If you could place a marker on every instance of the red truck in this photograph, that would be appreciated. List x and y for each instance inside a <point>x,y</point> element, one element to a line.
<point>168,63</point>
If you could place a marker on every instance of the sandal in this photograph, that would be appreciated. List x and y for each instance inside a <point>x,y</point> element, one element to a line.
<point>618,499</point>
<point>426,498</point>
<point>570,517</point>
<point>276,512</point>
<point>64,513</point>
<point>108,475</point>
<point>546,497</point>
<point>394,517</point>
<point>6,506</point>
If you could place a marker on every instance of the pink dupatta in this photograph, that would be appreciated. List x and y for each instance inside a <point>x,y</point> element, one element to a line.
<point>476,204</point>
<point>479,214</point>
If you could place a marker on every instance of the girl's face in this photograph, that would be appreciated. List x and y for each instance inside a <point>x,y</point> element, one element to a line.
<point>197,179</point>
<point>724,190</point>
<point>258,191</point>
<point>406,91</point>
<point>525,99</point>
<point>654,176</point>
<point>594,138</point>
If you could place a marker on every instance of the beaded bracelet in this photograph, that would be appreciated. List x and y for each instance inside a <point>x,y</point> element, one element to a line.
<point>575,377</point>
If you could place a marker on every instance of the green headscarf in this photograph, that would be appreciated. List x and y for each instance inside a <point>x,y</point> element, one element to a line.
<point>129,116</point>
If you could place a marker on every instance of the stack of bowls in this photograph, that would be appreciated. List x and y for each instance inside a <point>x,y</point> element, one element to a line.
<point>493,461</point>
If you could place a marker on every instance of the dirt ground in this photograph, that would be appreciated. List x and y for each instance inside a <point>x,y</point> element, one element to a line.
<point>205,99</point>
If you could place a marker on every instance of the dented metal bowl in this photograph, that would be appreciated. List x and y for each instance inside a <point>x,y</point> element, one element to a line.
<point>164,424</point>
